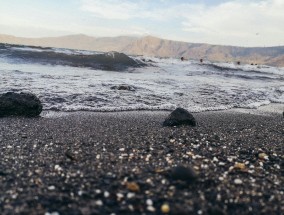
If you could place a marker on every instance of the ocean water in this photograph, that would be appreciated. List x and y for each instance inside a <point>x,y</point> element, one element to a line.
<point>154,84</point>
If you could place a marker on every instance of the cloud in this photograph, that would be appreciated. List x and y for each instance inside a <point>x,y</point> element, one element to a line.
<point>235,22</point>
<point>238,22</point>
<point>111,9</point>
<point>100,31</point>
<point>125,9</point>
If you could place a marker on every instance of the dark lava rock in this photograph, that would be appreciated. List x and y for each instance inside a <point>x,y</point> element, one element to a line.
<point>69,154</point>
<point>183,173</point>
<point>19,104</point>
<point>180,116</point>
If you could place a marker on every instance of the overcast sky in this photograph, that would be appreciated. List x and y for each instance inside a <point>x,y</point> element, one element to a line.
<point>227,22</point>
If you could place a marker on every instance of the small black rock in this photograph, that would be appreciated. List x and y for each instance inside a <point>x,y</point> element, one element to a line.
<point>178,117</point>
<point>19,104</point>
<point>183,173</point>
<point>69,154</point>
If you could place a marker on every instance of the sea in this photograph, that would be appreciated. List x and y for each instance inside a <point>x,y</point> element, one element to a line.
<point>76,80</point>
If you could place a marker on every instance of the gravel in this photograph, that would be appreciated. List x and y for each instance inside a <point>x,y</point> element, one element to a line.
<point>128,163</point>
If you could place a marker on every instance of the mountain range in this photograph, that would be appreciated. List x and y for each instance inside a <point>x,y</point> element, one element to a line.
<point>153,46</point>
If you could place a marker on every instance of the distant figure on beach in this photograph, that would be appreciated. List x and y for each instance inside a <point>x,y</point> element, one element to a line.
<point>239,63</point>
<point>182,58</point>
<point>201,60</point>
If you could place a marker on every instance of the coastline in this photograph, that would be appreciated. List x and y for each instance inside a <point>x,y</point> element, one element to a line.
<point>82,163</point>
<point>270,109</point>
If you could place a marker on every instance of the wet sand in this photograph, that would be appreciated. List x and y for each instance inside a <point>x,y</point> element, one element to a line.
<point>120,163</point>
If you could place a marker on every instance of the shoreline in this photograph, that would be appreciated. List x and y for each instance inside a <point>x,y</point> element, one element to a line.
<point>270,109</point>
<point>121,162</point>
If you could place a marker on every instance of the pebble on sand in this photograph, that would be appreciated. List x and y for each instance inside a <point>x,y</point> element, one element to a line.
<point>52,187</point>
<point>133,186</point>
<point>151,208</point>
<point>240,166</point>
<point>183,173</point>
<point>238,181</point>
<point>179,117</point>
<point>263,156</point>
<point>165,208</point>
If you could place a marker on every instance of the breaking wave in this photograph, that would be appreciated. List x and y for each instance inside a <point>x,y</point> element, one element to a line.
<point>114,61</point>
<point>74,80</point>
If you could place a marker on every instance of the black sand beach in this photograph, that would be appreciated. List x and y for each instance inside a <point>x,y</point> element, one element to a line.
<point>121,163</point>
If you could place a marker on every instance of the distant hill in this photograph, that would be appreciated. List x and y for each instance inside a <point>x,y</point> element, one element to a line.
<point>153,46</point>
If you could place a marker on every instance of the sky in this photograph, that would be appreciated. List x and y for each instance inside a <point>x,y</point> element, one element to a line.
<point>221,22</point>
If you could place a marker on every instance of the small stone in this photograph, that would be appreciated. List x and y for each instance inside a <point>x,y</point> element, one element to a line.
<point>99,203</point>
<point>57,167</point>
<point>69,154</point>
<point>132,186</point>
<point>130,195</point>
<point>240,166</point>
<point>131,207</point>
<point>98,191</point>
<point>151,208</point>
<point>179,117</point>
<point>38,181</point>
<point>14,196</point>
<point>215,159</point>
<point>190,153</point>
<point>19,104</point>
<point>187,174</point>
<point>165,208</point>
<point>160,170</point>
<point>106,194</point>
<point>149,202</point>
<point>119,196</point>
<point>80,192</point>
<point>263,156</point>
<point>219,197</point>
<point>52,187</point>
<point>238,181</point>
<point>231,168</point>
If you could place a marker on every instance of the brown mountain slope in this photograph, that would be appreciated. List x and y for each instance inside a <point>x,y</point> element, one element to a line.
<point>80,41</point>
<point>166,48</point>
<point>153,46</point>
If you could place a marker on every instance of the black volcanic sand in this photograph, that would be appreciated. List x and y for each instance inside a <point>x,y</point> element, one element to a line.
<point>121,163</point>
